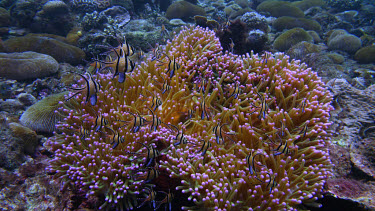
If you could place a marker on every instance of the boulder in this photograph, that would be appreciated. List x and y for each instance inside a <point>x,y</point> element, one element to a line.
<point>365,54</point>
<point>184,10</point>
<point>46,44</point>
<point>4,17</point>
<point>290,38</point>
<point>27,65</point>
<point>280,8</point>
<point>341,40</point>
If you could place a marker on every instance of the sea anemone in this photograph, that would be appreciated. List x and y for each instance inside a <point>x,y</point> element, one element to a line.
<point>237,132</point>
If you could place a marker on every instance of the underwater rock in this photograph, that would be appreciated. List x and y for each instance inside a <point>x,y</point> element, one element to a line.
<point>11,149</point>
<point>177,22</point>
<point>290,38</point>
<point>336,58</point>
<point>31,187</point>
<point>302,49</point>
<point>29,137</point>
<point>183,10</point>
<point>350,194</point>
<point>254,20</point>
<point>74,35</point>
<point>365,55</point>
<point>315,36</point>
<point>286,22</point>
<point>325,19</point>
<point>355,108</point>
<point>280,8</point>
<point>54,8</point>
<point>342,5</point>
<point>341,40</point>
<point>26,99</point>
<point>23,12</point>
<point>127,4</point>
<point>44,44</point>
<point>27,65</point>
<point>53,18</point>
<point>11,105</point>
<point>362,152</point>
<point>41,117</point>
<point>307,4</point>
<point>238,13</point>
<point>4,17</point>
<point>350,16</point>
<point>243,3</point>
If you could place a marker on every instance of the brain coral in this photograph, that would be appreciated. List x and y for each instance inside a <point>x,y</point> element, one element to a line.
<point>245,132</point>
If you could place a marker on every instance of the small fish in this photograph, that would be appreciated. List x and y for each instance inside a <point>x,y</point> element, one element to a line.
<point>283,147</point>
<point>91,89</point>
<point>157,53</point>
<point>164,33</point>
<point>263,107</point>
<point>137,123</point>
<point>180,137</point>
<point>190,113</point>
<point>304,130</point>
<point>271,183</point>
<point>115,137</point>
<point>122,66</point>
<point>231,46</point>
<point>265,56</point>
<point>125,47</point>
<point>202,85</point>
<point>165,86</point>
<point>250,159</point>
<point>173,66</point>
<point>156,102</point>
<point>303,105</point>
<point>204,148</point>
<point>152,153</point>
<point>204,110</point>
<point>282,129</point>
<point>167,200</point>
<point>219,133</point>
<point>236,91</point>
<point>83,133</point>
<point>150,174</point>
<point>155,121</point>
<point>96,65</point>
<point>226,24</point>
<point>151,198</point>
<point>100,122</point>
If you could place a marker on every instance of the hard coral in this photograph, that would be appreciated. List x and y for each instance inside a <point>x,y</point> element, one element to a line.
<point>236,105</point>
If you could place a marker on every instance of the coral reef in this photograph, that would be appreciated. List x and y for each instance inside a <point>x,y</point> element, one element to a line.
<point>235,132</point>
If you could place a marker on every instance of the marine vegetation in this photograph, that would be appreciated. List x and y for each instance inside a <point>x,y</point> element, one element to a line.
<point>231,132</point>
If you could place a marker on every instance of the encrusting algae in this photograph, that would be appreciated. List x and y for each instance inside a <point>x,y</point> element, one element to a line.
<point>239,132</point>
